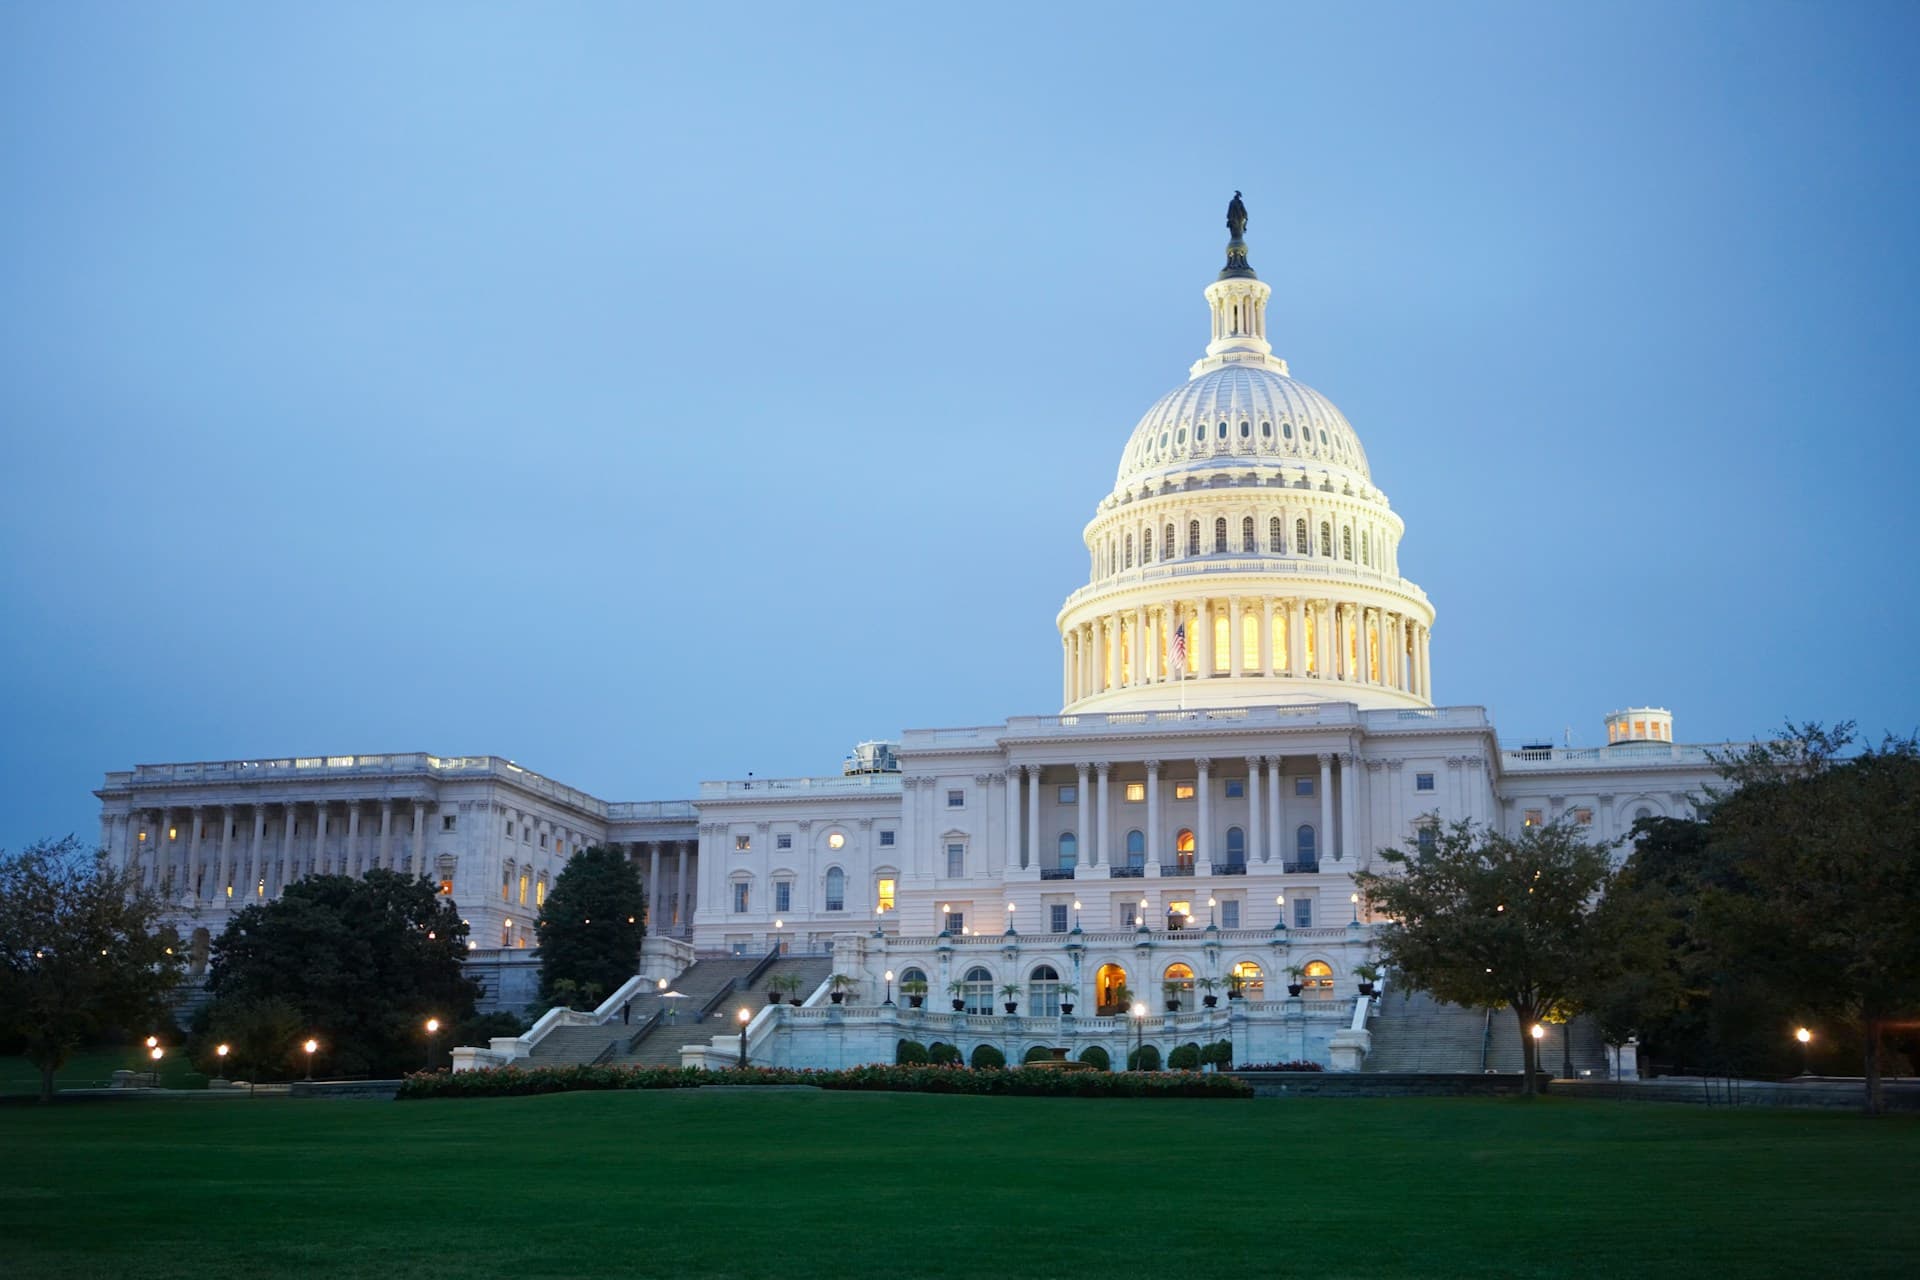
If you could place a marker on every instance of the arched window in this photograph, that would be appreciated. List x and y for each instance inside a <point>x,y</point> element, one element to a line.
<point>1303,847</point>
<point>1247,978</point>
<point>1300,537</point>
<point>836,889</point>
<point>912,974</point>
<point>1136,849</point>
<point>1183,851</point>
<point>1193,537</point>
<point>1220,534</point>
<point>1110,992</point>
<point>1146,547</point>
<point>1177,982</point>
<point>1236,847</point>
<point>1129,551</point>
<point>1246,430</point>
<point>1366,549</point>
<point>976,989</point>
<point>1246,535</point>
<point>1346,543</point>
<point>1326,539</point>
<point>1276,539</point>
<point>1221,432</point>
<point>1167,546</point>
<point>1642,812</point>
<point>1069,850</point>
<point>1319,976</point>
<point>1043,992</point>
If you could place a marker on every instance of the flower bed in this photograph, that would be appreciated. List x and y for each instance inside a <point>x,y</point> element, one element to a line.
<point>505,1082</point>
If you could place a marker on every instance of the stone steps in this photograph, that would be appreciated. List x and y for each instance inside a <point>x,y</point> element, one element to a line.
<point>1414,1032</point>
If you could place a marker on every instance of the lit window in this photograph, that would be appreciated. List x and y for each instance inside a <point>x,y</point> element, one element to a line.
<point>1319,976</point>
<point>446,886</point>
<point>1136,792</point>
<point>173,833</point>
<point>1236,788</point>
<point>1179,976</point>
<point>1583,816</point>
<point>1534,818</point>
<point>523,888</point>
<point>783,841</point>
<point>540,892</point>
<point>1069,795</point>
<point>836,840</point>
<point>886,839</point>
<point>884,894</point>
<point>1183,791</point>
<point>742,895</point>
<point>1247,976</point>
<point>956,799</point>
<point>742,844</point>
<point>1423,782</point>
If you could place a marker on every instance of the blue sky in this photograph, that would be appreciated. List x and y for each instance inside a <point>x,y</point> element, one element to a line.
<point>653,395</point>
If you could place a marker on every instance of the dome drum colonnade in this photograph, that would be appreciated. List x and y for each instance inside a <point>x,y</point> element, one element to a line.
<point>1244,513</point>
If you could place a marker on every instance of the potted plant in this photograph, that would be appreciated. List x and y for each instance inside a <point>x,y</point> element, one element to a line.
<point>958,990</point>
<point>915,990</point>
<point>1235,984</point>
<point>1171,990</point>
<point>1011,993</point>
<point>1122,999</point>
<point>1208,985</point>
<point>839,985</point>
<point>1067,992</point>
<point>783,984</point>
<point>1368,975</point>
<point>1296,972</point>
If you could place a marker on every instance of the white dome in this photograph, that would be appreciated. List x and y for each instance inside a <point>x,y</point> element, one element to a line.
<point>1236,414</point>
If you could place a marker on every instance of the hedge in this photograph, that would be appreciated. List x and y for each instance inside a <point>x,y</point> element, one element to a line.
<point>1095,1056</point>
<point>987,1058</point>
<point>942,1054</point>
<point>502,1082</point>
<point>1039,1053</point>
<point>1145,1058</point>
<point>910,1053</point>
<point>1184,1057</point>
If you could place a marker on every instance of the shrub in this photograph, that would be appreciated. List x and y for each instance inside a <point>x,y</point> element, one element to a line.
<point>1145,1058</point>
<point>910,1053</point>
<point>942,1054</point>
<point>1184,1057</point>
<point>1022,1081</point>
<point>1039,1053</point>
<point>1097,1056</point>
<point>987,1058</point>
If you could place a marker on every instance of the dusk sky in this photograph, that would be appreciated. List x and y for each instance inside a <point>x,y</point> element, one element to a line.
<point>656,394</point>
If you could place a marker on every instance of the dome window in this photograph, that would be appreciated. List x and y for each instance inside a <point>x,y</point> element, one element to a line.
<point>1246,430</point>
<point>1266,431</point>
<point>1323,435</point>
<point>1221,434</point>
<point>1286,429</point>
<point>1163,439</point>
<point>1180,437</point>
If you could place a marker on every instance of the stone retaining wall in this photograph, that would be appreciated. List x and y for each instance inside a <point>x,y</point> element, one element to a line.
<point>1385,1084</point>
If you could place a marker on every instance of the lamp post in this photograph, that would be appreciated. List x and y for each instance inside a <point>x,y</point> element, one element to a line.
<point>1354,898</point>
<point>1143,915</point>
<point>1538,1033</point>
<point>433,1026</point>
<point>220,1054</point>
<point>889,999</point>
<point>1076,915</point>
<point>1280,913</point>
<point>778,925</point>
<point>1010,909</point>
<point>156,1053</point>
<point>1210,906</point>
<point>1805,1037</point>
<point>310,1046</point>
<point>1139,1031</point>
<point>744,1017</point>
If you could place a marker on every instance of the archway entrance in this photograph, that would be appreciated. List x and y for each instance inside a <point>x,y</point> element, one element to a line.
<point>1110,990</point>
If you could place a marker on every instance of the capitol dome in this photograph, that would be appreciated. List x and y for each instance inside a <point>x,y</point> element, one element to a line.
<point>1244,556</point>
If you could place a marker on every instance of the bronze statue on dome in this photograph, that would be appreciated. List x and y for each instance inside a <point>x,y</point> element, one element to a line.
<point>1237,217</point>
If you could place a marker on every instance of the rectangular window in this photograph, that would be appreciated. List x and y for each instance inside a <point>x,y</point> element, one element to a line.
<point>1183,791</point>
<point>783,842</point>
<point>836,897</point>
<point>742,844</point>
<point>783,895</point>
<point>956,922</point>
<point>543,840</point>
<point>1583,816</point>
<point>956,861</point>
<point>1136,792</point>
<point>886,839</point>
<point>526,835</point>
<point>884,895</point>
<point>1425,837</point>
<point>1423,782</point>
<point>447,820</point>
<point>523,888</point>
<point>1069,795</point>
<point>1303,786</point>
<point>1230,914</point>
<point>1129,913</point>
<point>1057,917</point>
<point>1535,818</point>
<point>741,895</point>
<point>509,831</point>
<point>1303,913</point>
<point>540,893</point>
<point>1236,788</point>
<point>956,799</point>
<point>446,886</point>
<point>738,946</point>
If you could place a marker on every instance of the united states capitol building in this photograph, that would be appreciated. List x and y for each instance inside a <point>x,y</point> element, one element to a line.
<point>1247,716</point>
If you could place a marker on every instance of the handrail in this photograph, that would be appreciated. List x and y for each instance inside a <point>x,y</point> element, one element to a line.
<point>645,1027</point>
<point>1486,1039</point>
<point>767,962</point>
<point>719,997</point>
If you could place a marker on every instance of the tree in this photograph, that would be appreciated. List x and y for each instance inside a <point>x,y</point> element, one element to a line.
<point>594,923</point>
<point>82,950</point>
<point>261,1036</point>
<point>1825,905</point>
<point>1485,920</point>
<point>366,961</point>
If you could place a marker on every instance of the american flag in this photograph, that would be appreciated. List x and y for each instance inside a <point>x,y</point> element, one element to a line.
<point>1180,651</point>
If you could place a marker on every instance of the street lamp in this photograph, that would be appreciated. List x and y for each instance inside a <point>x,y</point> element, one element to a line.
<point>744,1017</point>
<point>433,1026</point>
<point>1139,1031</point>
<point>221,1051</point>
<point>1010,909</point>
<point>1280,913</point>
<point>1805,1037</point>
<point>1210,906</point>
<point>155,1053</point>
<point>1354,898</point>
<point>889,999</point>
<point>1076,915</point>
<point>1143,915</point>
<point>310,1046</point>
<point>778,925</point>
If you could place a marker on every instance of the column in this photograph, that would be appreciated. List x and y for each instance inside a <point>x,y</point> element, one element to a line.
<point>350,861</point>
<point>1204,836</point>
<point>285,867</point>
<point>1142,655</point>
<point>1153,814</point>
<point>1084,835</point>
<point>1016,847</point>
<point>254,851</point>
<point>1235,646</point>
<point>192,889</point>
<point>1426,664</point>
<point>1348,763</point>
<point>418,858</point>
<point>1296,639</point>
<point>1325,842</point>
<point>1103,850</point>
<point>384,857</point>
<point>120,840</point>
<point>1033,814</point>
<point>1204,624</point>
<point>1099,665</point>
<point>228,820</point>
<point>1269,660</point>
<point>319,864</point>
<point>653,886</point>
<point>1153,632</point>
<point>1256,832</point>
<point>1066,669</point>
<point>1115,634</point>
<point>1277,807</point>
<point>680,888</point>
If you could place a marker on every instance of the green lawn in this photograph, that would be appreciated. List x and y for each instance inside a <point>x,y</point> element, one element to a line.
<point>94,1068</point>
<point>737,1183</point>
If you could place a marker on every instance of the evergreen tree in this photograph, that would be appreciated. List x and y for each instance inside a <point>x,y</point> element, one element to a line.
<point>595,919</point>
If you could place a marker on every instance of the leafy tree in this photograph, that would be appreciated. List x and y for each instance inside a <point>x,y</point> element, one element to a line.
<point>985,1056</point>
<point>1485,920</point>
<point>1218,1055</point>
<point>594,923</point>
<point>365,961</point>
<point>909,1053</point>
<point>1825,902</point>
<point>1095,1056</point>
<point>1145,1058</point>
<point>942,1054</point>
<point>82,950</point>
<point>262,1037</point>
<point>1185,1057</point>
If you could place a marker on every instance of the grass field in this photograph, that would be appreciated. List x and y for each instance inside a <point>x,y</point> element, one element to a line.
<point>735,1183</point>
<point>94,1068</point>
